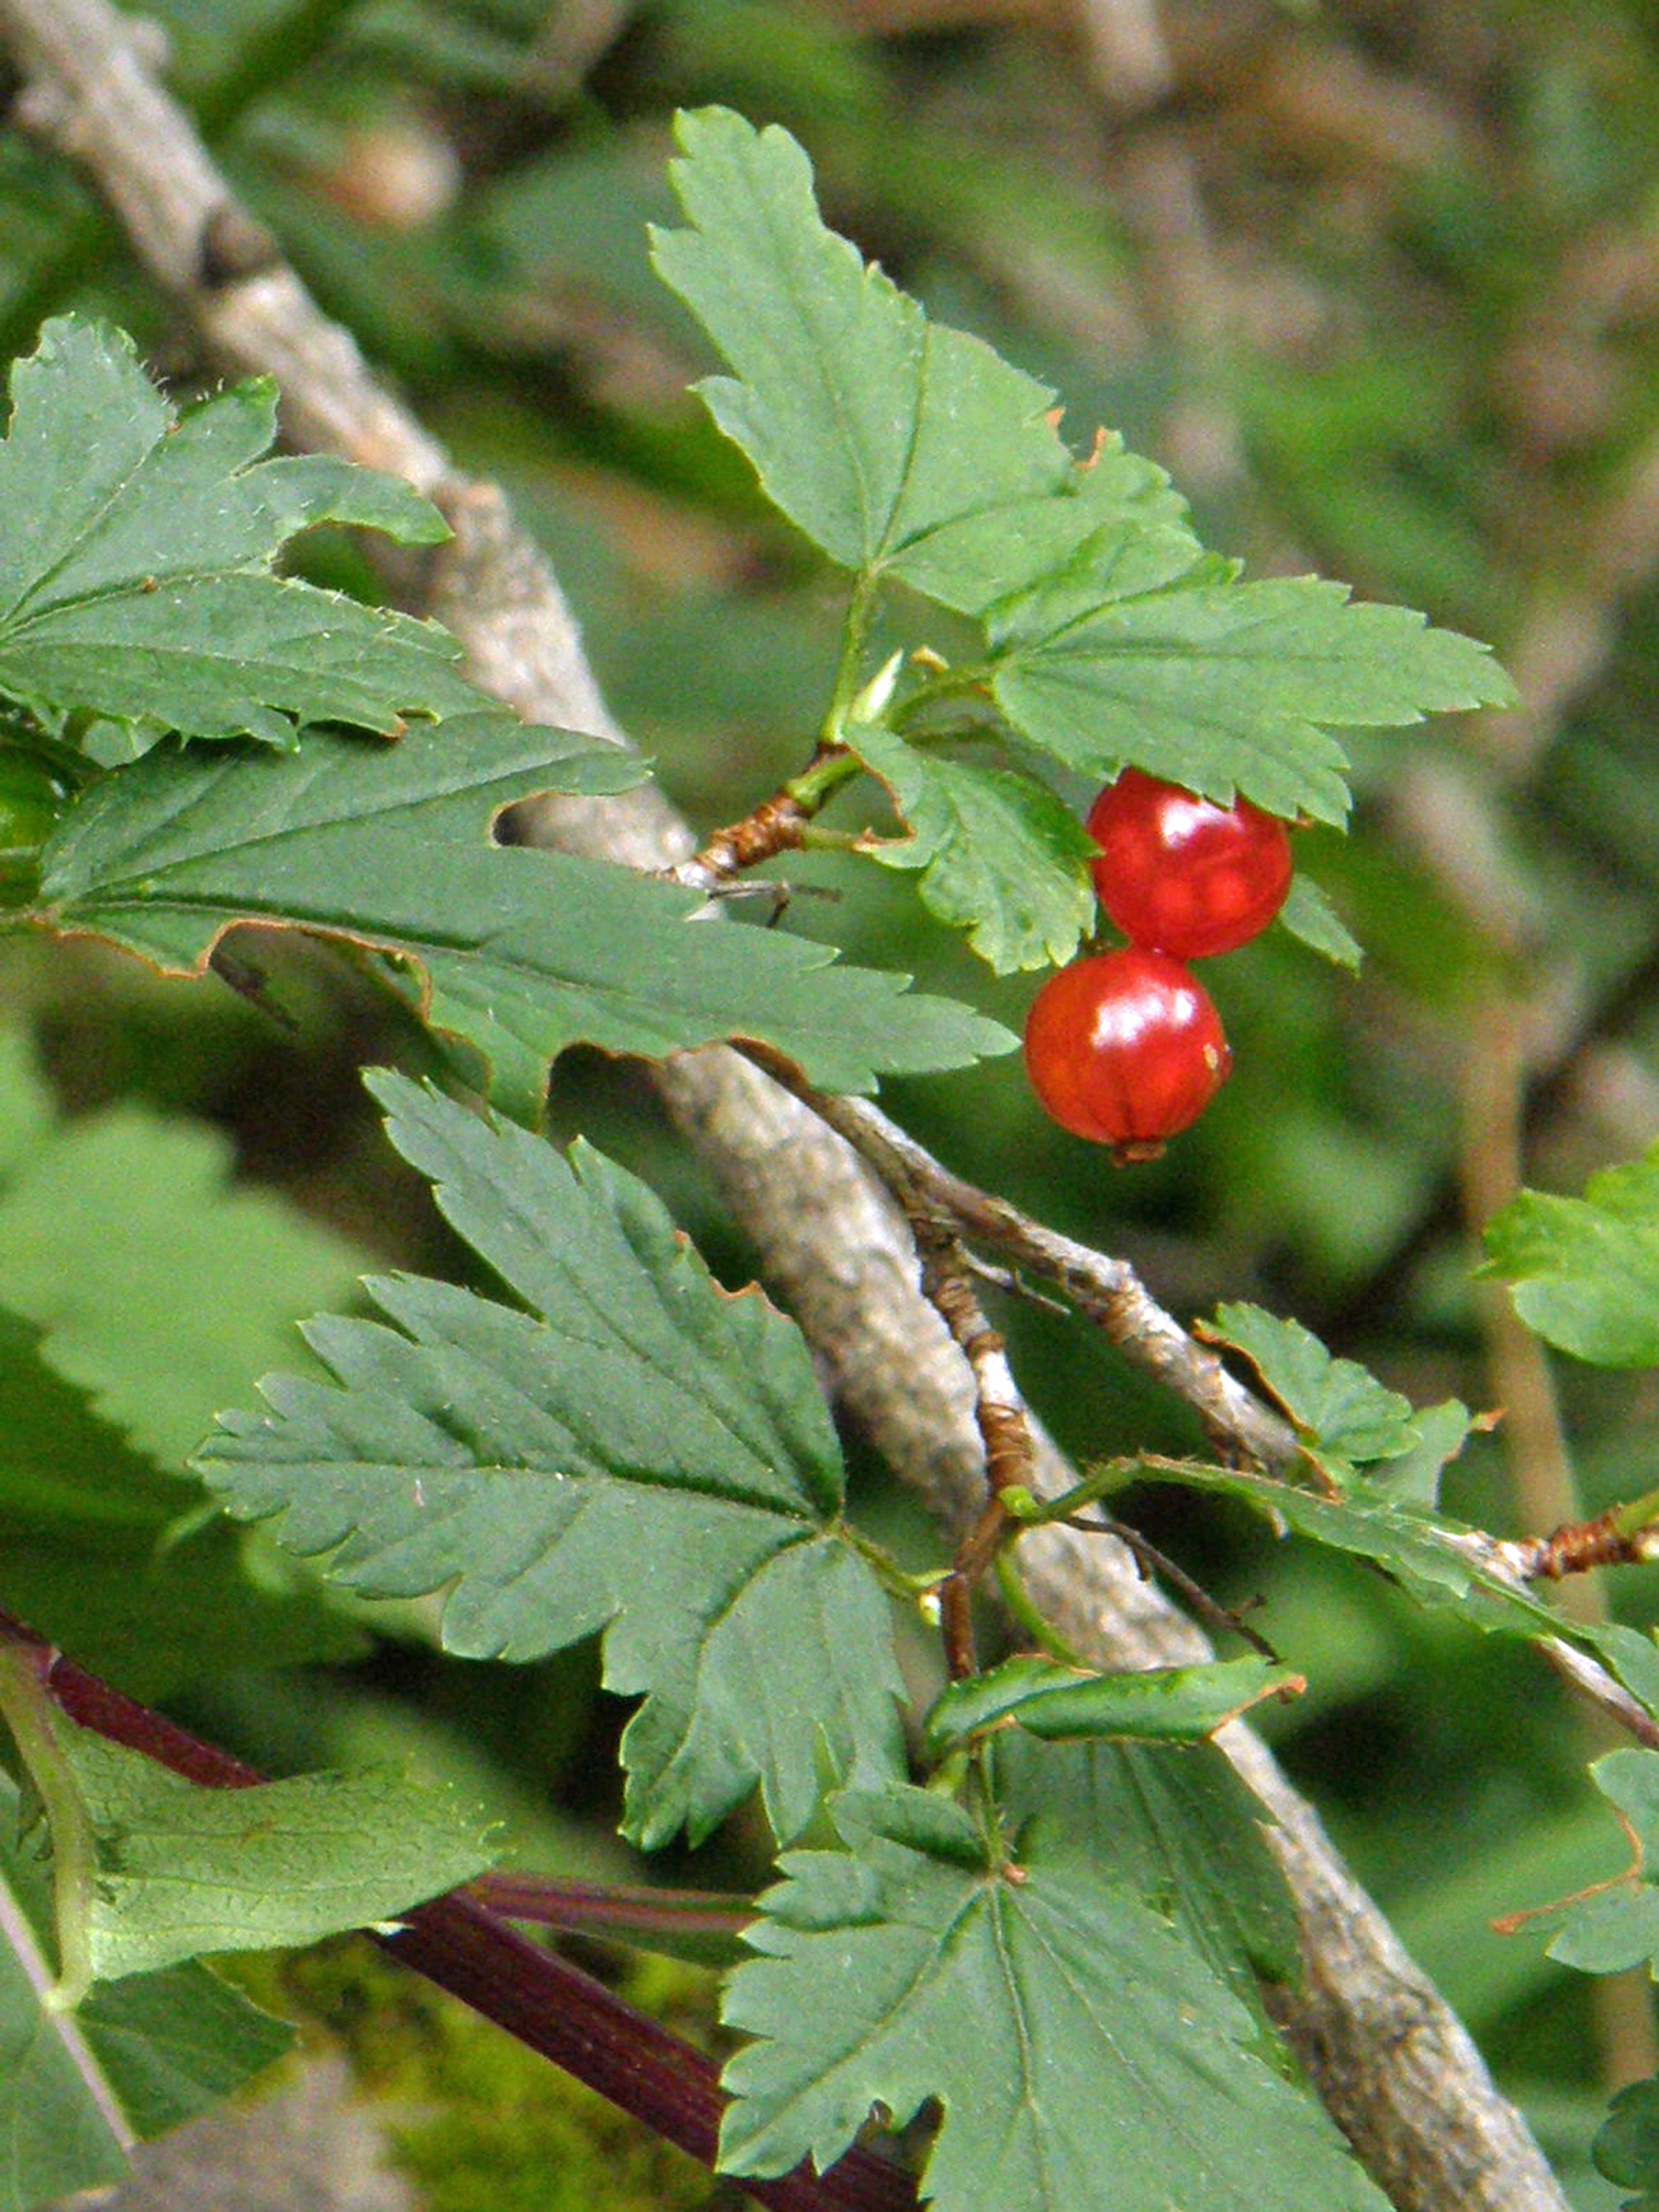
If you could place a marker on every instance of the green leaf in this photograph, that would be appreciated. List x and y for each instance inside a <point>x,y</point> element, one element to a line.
<point>1626,2147</point>
<point>161,1291</point>
<point>1413,1477</point>
<point>180,1870</point>
<point>1439,1560</point>
<point>869,427</point>
<point>1421,1550</point>
<point>61,1462</point>
<point>638,1453</point>
<point>907,449</point>
<point>160,1286</point>
<point>1224,686</point>
<point>1618,1925</point>
<point>900,446</point>
<point>1187,1836</point>
<point>141,2055</point>
<point>520,952</point>
<point>111,1559</point>
<point>1309,915</point>
<point>1001,855</point>
<point>1586,1270</point>
<point>1081,2053</point>
<point>1341,1414</point>
<point>135,565</point>
<point>1008,546</point>
<point>1168,1704</point>
<point>1334,1403</point>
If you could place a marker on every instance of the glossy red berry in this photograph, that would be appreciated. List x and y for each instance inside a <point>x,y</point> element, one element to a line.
<point>1182,874</point>
<point>1126,1049</point>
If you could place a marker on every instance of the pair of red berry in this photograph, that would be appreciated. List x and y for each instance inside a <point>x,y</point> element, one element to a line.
<point>1125,1047</point>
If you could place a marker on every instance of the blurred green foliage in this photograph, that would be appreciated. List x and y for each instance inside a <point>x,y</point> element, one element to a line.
<point>1380,285</point>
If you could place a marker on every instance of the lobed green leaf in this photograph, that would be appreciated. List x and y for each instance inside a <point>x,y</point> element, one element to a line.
<point>870,427</point>
<point>160,1285</point>
<point>115,1562</point>
<point>1187,1836</point>
<point>1081,2053</point>
<point>136,558</point>
<point>638,1454</point>
<point>518,952</point>
<point>139,1291</point>
<point>1001,856</point>
<point>180,1869</point>
<point>1338,1408</point>
<point>1222,686</point>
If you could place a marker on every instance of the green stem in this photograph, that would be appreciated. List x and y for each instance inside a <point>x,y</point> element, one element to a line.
<point>850,668</point>
<point>950,1777</point>
<point>1017,1600</point>
<point>1635,1514</point>
<point>825,772</point>
<point>951,683</point>
<point>27,1711</point>
<point>982,1794</point>
<point>906,1587</point>
<point>1032,1513</point>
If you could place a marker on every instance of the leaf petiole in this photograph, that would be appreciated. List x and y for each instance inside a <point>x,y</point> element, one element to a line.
<point>1635,1516</point>
<point>908,1588</point>
<point>849,668</point>
<point>949,684</point>
<point>1030,1511</point>
<point>1017,1599</point>
<point>26,1706</point>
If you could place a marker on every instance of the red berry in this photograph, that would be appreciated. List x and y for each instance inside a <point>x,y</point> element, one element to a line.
<point>1126,1049</point>
<point>1183,875</point>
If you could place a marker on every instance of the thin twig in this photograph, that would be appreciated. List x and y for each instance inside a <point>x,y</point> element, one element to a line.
<point>1577,1547</point>
<point>778,825</point>
<point>998,1407</point>
<point>999,1413</point>
<point>1106,1290</point>
<point>1221,1618</point>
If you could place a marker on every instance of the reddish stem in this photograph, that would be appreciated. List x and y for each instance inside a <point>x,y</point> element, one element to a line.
<point>604,1908</point>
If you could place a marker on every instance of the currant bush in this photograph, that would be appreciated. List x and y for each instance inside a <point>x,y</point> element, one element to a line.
<point>1125,1047</point>
<point>1181,874</point>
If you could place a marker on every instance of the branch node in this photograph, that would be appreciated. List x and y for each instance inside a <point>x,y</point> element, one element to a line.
<point>234,246</point>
